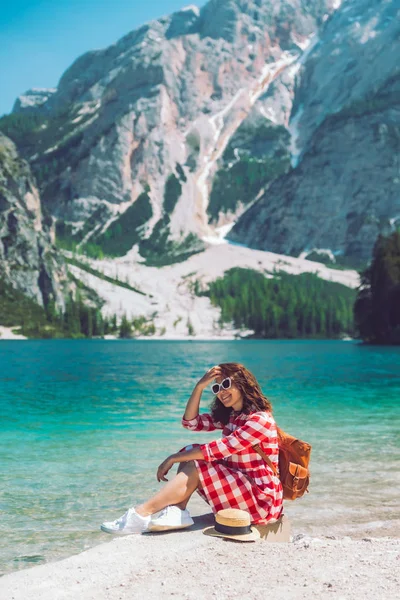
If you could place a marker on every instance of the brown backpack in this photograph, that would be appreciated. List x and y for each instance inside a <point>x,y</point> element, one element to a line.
<point>294,457</point>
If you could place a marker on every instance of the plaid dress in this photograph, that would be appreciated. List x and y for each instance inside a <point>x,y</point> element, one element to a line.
<point>232,474</point>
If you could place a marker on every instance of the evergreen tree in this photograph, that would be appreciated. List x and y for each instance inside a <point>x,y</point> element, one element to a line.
<point>377,308</point>
<point>284,306</point>
<point>89,332</point>
<point>106,324</point>
<point>71,317</point>
<point>125,329</point>
<point>98,324</point>
<point>51,312</point>
<point>190,327</point>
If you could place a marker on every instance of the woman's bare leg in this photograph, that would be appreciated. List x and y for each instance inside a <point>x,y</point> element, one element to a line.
<point>182,505</point>
<point>176,492</point>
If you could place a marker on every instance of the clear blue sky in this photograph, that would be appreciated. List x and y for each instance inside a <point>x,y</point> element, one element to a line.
<point>39,39</point>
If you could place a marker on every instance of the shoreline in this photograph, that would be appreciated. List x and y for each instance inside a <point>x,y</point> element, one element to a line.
<point>187,564</point>
<point>7,333</point>
<point>198,338</point>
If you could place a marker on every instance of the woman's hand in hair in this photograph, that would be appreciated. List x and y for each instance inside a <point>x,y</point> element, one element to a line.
<point>208,377</point>
<point>192,406</point>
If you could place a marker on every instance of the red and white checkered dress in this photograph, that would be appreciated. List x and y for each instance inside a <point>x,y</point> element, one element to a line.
<point>232,474</point>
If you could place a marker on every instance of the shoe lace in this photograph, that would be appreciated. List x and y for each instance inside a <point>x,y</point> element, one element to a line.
<point>122,520</point>
<point>164,512</point>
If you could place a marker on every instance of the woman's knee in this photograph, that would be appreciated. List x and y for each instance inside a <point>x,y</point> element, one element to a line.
<point>187,467</point>
<point>188,476</point>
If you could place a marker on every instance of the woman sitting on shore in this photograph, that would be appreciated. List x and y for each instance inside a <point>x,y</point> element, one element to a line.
<point>228,472</point>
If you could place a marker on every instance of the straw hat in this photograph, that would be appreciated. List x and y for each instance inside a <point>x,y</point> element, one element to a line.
<point>233,524</point>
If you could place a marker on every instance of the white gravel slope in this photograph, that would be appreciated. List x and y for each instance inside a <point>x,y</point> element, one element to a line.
<point>170,301</point>
<point>7,333</point>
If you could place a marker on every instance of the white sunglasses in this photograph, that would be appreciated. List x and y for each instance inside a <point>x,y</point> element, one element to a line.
<point>224,385</point>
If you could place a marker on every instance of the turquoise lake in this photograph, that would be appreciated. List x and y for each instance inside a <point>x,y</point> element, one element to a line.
<point>84,425</point>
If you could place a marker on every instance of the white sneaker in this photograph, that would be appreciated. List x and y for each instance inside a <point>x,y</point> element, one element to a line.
<point>129,523</point>
<point>170,517</point>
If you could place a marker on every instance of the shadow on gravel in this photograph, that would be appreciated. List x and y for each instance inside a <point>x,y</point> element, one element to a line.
<point>200,522</point>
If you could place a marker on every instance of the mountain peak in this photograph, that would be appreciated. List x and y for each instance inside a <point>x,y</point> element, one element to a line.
<point>183,124</point>
<point>33,99</point>
<point>191,7</point>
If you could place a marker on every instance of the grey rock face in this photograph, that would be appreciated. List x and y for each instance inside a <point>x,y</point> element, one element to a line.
<point>256,155</point>
<point>27,258</point>
<point>167,96</point>
<point>183,22</point>
<point>282,22</point>
<point>357,52</point>
<point>33,100</point>
<point>333,200</point>
<point>346,188</point>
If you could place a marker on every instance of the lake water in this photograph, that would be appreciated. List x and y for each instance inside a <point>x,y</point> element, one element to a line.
<point>84,425</point>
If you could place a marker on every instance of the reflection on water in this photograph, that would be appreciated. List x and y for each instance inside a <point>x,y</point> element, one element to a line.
<point>84,425</point>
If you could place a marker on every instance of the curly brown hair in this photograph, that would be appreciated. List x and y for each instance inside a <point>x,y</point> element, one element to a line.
<point>253,398</point>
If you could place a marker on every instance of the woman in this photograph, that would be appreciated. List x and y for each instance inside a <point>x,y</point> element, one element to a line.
<point>227,473</point>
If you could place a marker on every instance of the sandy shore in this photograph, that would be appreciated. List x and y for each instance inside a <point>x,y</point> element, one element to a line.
<point>189,565</point>
<point>7,333</point>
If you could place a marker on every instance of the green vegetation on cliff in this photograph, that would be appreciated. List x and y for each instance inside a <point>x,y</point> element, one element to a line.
<point>25,315</point>
<point>159,250</point>
<point>65,239</point>
<point>85,267</point>
<point>284,306</point>
<point>125,231</point>
<point>19,311</point>
<point>377,309</point>
<point>35,134</point>
<point>69,239</point>
<point>255,156</point>
<point>257,140</point>
<point>172,192</point>
<point>242,182</point>
<point>22,127</point>
<point>77,320</point>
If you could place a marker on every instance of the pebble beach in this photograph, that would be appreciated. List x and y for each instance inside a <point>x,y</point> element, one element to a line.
<point>189,565</point>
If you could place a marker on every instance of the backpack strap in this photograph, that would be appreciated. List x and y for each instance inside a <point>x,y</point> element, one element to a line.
<point>269,462</point>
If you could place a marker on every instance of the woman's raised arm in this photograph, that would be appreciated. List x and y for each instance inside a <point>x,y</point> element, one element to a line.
<point>192,407</point>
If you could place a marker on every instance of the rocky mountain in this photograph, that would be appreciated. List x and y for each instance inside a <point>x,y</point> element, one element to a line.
<point>279,119</point>
<point>157,141</point>
<point>276,124</point>
<point>28,258</point>
<point>344,187</point>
